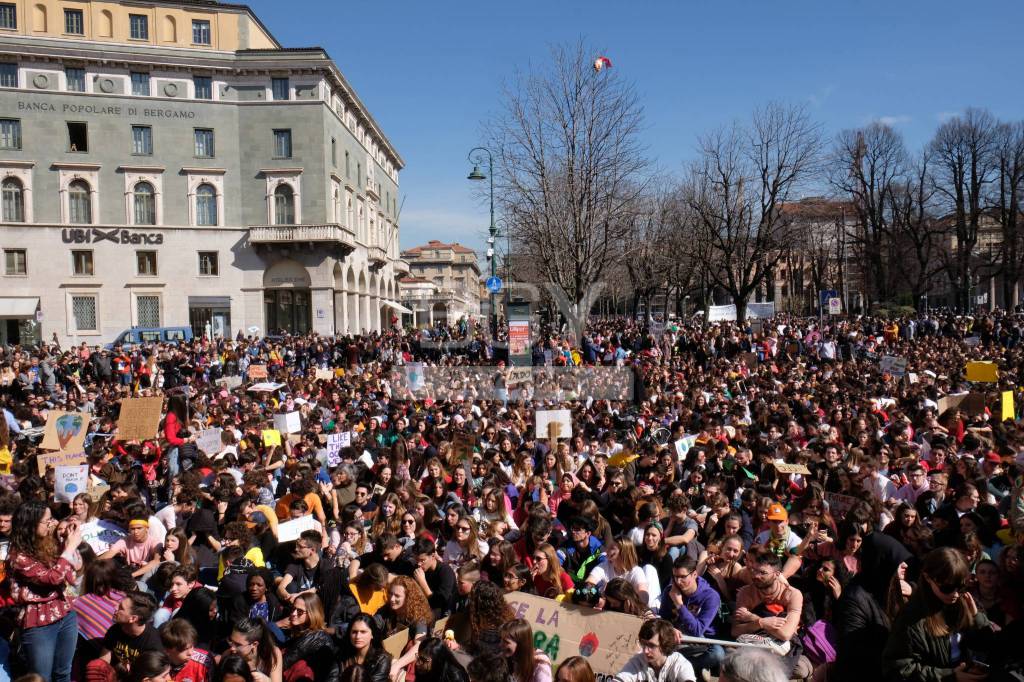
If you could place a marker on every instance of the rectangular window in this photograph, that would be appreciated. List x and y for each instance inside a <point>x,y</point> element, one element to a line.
<point>204,143</point>
<point>348,166</point>
<point>140,84</point>
<point>148,308</point>
<point>146,263</point>
<point>279,88</point>
<point>8,15</point>
<point>334,152</point>
<point>282,144</point>
<point>208,264</point>
<point>74,22</point>
<point>76,79</point>
<point>142,140</point>
<point>8,75</point>
<point>81,264</point>
<point>139,26</point>
<point>83,309</point>
<point>15,262</point>
<point>200,32</point>
<point>10,133</point>
<point>78,136</point>
<point>204,87</point>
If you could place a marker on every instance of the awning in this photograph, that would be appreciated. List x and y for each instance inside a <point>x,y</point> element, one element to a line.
<point>397,306</point>
<point>18,308</point>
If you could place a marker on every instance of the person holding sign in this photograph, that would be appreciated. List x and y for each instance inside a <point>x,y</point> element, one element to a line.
<point>40,579</point>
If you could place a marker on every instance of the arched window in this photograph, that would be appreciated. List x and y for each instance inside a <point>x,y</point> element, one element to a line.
<point>145,204</point>
<point>13,201</point>
<point>79,203</point>
<point>206,205</point>
<point>284,205</point>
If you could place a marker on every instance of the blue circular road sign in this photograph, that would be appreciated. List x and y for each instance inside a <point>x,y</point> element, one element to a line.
<point>493,284</point>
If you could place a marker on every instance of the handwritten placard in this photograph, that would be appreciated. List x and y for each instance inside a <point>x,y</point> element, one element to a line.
<point>784,468</point>
<point>325,374</point>
<point>208,440</point>
<point>257,372</point>
<point>288,423</point>
<point>69,481</point>
<point>271,437</point>
<point>291,530</point>
<point>140,418</point>
<point>56,459</point>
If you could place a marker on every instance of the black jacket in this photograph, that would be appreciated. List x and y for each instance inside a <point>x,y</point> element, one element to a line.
<point>863,627</point>
<point>317,650</point>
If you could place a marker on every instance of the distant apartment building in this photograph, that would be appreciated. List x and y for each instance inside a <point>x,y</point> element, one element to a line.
<point>443,284</point>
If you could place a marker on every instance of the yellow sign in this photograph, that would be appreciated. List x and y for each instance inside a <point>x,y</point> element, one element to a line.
<point>982,372</point>
<point>1007,404</point>
<point>271,437</point>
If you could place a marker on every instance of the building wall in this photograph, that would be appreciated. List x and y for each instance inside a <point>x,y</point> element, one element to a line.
<point>346,282</point>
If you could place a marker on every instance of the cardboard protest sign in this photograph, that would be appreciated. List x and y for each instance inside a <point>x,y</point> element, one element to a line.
<point>97,491</point>
<point>839,504</point>
<point>1006,406</point>
<point>749,359</point>
<point>140,418</point>
<point>69,481</point>
<point>519,375</point>
<point>288,423</point>
<point>972,341</point>
<point>291,530</point>
<point>326,374</point>
<point>784,468</point>
<point>950,402</point>
<point>271,437</point>
<point>982,372</point>
<point>462,445</point>
<point>973,404</point>
<point>208,440</point>
<point>56,459</point>
<point>554,424</point>
<point>65,431</point>
<point>605,638</point>
<point>893,365</point>
<point>257,372</point>
<point>395,644</point>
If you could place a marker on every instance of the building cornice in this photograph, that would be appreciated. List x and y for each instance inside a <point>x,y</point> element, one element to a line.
<point>75,165</point>
<point>17,163</point>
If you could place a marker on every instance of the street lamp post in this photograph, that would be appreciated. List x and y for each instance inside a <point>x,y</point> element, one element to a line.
<point>476,157</point>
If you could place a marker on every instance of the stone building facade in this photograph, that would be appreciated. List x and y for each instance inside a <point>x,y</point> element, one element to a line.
<point>169,163</point>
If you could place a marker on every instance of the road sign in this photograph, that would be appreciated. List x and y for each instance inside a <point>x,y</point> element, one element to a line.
<point>493,284</point>
<point>835,306</point>
<point>824,295</point>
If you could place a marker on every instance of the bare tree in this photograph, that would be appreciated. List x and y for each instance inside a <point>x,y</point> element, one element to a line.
<point>569,167</point>
<point>964,164</point>
<point>738,189</point>
<point>865,164</point>
<point>917,235</point>
<point>1009,191</point>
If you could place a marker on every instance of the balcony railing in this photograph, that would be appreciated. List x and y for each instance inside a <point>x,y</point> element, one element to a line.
<point>401,267</point>
<point>376,254</point>
<point>330,233</point>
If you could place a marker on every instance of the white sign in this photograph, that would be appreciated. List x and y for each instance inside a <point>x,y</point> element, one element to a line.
<point>561,418</point>
<point>835,306</point>
<point>288,423</point>
<point>291,530</point>
<point>893,365</point>
<point>208,440</point>
<point>69,481</point>
<point>266,387</point>
<point>684,444</point>
<point>335,442</point>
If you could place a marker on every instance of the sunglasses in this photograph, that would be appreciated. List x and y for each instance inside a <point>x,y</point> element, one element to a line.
<point>951,588</point>
<point>412,521</point>
<point>540,557</point>
<point>463,529</point>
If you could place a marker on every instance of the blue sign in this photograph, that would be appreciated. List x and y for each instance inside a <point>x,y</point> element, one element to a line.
<point>493,284</point>
<point>826,294</point>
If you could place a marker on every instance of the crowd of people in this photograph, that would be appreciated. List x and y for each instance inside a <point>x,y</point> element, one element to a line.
<point>774,500</point>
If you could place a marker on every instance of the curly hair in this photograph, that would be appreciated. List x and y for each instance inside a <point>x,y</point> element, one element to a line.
<point>488,609</point>
<point>416,609</point>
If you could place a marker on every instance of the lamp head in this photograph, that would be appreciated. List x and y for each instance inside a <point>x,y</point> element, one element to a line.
<point>476,174</point>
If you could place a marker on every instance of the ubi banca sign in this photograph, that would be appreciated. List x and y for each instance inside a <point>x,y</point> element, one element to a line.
<point>117,236</point>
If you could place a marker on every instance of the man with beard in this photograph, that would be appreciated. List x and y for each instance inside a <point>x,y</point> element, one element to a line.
<point>768,610</point>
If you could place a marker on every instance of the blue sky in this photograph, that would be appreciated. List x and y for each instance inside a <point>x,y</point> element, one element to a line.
<point>431,72</point>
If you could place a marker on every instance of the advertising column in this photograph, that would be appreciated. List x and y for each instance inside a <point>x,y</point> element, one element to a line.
<point>519,352</point>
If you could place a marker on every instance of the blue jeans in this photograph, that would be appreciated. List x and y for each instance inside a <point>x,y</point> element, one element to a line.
<point>51,648</point>
<point>703,656</point>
